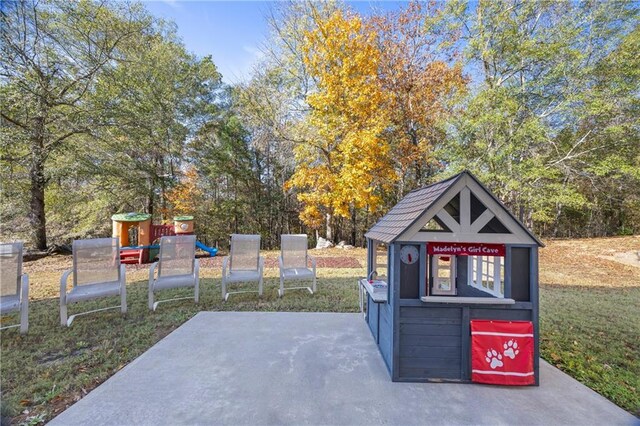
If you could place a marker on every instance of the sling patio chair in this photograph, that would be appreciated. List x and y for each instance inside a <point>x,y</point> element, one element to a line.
<point>97,273</point>
<point>294,262</point>
<point>14,285</point>
<point>244,264</point>
<point>177,268</point>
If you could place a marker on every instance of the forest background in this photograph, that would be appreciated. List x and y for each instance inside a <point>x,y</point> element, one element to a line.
<point>104,110</point>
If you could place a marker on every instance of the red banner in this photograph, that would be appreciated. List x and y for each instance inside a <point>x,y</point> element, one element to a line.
<point>466,249</point>
<point>502,352</point>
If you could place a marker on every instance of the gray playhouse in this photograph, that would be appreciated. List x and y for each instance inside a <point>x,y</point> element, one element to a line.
<point>460,300</point>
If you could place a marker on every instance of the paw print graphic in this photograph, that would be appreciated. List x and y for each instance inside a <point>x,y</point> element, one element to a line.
<point>511,349</point>
<point>494,359</point>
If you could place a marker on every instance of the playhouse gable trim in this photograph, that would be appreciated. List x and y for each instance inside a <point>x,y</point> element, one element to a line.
<point>494,224</point>
<point>408,210</point>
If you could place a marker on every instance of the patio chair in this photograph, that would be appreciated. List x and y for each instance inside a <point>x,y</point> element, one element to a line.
<point>244,263</point>
<point>97,273</point>
<point>294,262</point>
<point>177,268</point>
<point>14,285</point>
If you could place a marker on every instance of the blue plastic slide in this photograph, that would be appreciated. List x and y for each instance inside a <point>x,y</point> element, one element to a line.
<point>212,251</point>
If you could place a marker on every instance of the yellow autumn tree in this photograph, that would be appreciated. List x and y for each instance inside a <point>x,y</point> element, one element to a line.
<point>345,165</point>
<point>186,196</point>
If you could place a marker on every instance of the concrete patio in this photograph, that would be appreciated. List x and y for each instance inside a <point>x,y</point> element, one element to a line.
<point>310,368</point>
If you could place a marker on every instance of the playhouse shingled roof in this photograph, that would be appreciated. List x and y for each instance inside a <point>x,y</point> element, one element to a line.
<point>408,210</point>
<point>416,202</point>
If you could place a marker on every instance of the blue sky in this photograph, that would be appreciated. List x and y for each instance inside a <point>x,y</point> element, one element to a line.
<point>231,31</point>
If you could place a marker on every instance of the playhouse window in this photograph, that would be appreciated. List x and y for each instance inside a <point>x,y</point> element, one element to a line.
<point>379,260</point>
<point>486,273</point>
<point>443,269</point>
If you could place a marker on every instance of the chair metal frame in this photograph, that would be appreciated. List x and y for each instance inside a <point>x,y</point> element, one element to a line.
<point>227,263</point>
<point>22,291</point>
<point>308,259</point>
<point>192,280</point>
<point>66,320</point>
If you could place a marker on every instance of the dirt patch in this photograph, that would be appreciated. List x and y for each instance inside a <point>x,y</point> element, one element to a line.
<point>631,258</point>
<point>56,262</point>
<point>601,262</point>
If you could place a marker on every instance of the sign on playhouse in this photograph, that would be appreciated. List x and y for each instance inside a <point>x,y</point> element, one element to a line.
<point>466,249</point>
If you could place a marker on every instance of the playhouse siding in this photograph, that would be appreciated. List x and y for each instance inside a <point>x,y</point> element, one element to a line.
<point>427,338</point>
<point>435,339</point>
<point>431,341</point>
<point>379,320</point>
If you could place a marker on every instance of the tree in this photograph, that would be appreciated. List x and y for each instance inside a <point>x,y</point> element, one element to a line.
<point>186,196</point>
<point>345,165</point>
<point>420,71</point>
<point>525,128</point>
<point>610,177</point>
<point>53,53</point>
<point>228,174</point>
<point>154,104</point>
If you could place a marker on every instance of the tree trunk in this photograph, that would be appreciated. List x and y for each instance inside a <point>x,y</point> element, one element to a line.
<point>417,163</point>
<point>151,196</point>
<point>354,224</point>
<point>329,227</point>
<point>37,217</point>
<point>556,221</point>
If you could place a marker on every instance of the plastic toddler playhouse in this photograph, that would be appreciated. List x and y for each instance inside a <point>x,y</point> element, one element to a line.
<point>138,236</point>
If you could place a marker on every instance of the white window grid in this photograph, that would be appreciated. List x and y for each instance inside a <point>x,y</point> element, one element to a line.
<point>486,273</point>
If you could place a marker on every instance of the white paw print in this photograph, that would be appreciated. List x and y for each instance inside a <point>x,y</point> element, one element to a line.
<point>511,349</point>
<point>494,359</point>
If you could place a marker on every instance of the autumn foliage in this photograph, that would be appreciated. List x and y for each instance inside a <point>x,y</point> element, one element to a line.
<point>346,165</point>
<point>420,85</point>
<point>379,93</point>
<point>185,196</point>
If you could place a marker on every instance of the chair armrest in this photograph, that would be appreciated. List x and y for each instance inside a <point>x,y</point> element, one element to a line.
<point>152,270</point>
<point>261,264</point>
<point>196,268</point>
<point>281,264</point>
<point>63,283</point>
<point>123,274</point>
<point>225,262</point>
<point>24,289</point>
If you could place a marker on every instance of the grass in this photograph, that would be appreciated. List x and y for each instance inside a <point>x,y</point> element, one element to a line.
<point>593,334</point>
<point>590,314</point>
<point>589,324</point>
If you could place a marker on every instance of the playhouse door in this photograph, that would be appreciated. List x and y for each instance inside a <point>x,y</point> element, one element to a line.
<point>444,274</point>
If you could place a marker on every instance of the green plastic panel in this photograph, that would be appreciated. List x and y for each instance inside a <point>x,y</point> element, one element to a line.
<point>131,217</point>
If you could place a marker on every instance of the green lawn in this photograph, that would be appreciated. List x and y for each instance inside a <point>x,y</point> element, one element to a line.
<point>590,332</point>
<point>593,334</point>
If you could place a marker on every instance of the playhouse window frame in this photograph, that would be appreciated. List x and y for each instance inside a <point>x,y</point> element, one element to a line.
<point>453,275</point>
<point>379,252</point>
<point>484,272</point>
